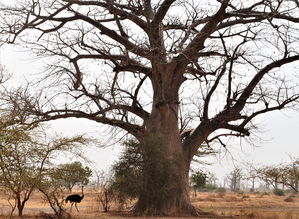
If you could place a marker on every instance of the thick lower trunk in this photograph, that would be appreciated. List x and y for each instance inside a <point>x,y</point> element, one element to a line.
<point>165,170</point>
<point>165,189</point>
<point>174,204</point>
<point>20,210</point>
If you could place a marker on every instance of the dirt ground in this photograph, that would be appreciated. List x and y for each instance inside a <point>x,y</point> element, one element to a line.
<point>226,205</point>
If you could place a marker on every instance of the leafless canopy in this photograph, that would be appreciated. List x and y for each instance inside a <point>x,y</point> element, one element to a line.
<point>112,59</point>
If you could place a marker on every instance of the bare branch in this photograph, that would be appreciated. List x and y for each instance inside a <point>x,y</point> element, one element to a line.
<point>163,9</point>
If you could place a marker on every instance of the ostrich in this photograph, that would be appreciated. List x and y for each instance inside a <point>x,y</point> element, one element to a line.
<point>75,199</point>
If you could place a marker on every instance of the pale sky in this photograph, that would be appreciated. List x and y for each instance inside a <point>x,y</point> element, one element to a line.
<point>279,136</point>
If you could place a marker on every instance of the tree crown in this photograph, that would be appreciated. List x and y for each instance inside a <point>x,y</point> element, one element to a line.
<point>231,53</point>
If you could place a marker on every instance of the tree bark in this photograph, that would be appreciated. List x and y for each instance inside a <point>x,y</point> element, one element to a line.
<point>165,181</point>
<point>166,165</point>
<point>20,206</point>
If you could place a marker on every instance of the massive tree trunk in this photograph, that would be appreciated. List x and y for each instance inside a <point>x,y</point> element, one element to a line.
<point>166,163</point>
<point>165,188</point>
<point>165,192</point>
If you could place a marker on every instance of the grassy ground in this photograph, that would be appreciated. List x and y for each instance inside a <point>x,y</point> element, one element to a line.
<point>249,205</point>
<point>228,204</point>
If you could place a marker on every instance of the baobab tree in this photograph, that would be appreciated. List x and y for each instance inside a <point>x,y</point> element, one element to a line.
<point>136,65</point>
<point>234,179</point>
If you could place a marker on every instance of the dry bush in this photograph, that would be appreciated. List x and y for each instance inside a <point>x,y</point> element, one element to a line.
<point>289,199</point>
<point>221,192</point>
<point>293,195</point>
<point>239,193</point>
<point>216,195</point>
<point>261,195</point>
<point>245,196</point>
<point>221,195</point>
<point>233,199</point>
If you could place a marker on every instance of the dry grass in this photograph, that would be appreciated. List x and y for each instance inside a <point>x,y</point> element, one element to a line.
<point>250,205</point>
<point>234,205</point>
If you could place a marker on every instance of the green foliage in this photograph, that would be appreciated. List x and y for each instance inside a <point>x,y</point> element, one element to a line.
<point>198,179</point>
<point>221,189</point>
<point>127,172</point>
<point>143,171</point>
<point>278,192</point>
<point>203,152</point>
<point>19,173</point>
<point>71,174</point>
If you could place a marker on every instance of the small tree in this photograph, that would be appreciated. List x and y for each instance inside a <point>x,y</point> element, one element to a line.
<point>234,179</point>
<point>250,175</point>
<point>139,163</point>
<point>289,175</point>
<point>198,180</point>
<point>106,193</point>
<point>53,194</point>
<point>278,192</point>
<point>273,175</point>
<point>52,184</point>
<point>212,179</point>
<point>127,173</point>
<point>17,173</point>
<point>71,174</point>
